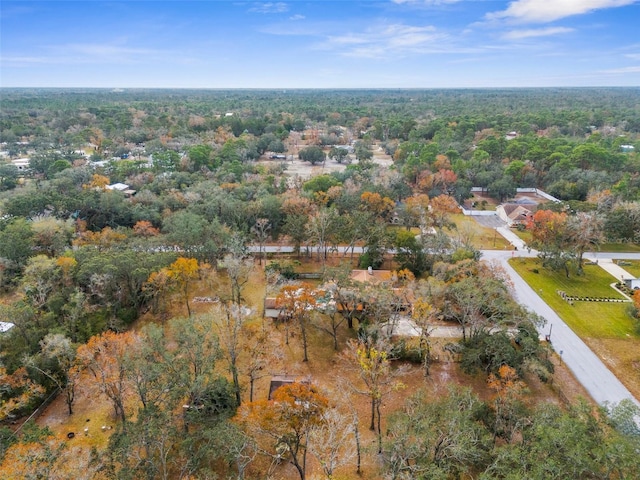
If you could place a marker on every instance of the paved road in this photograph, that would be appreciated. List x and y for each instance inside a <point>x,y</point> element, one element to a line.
<point>601,384</point>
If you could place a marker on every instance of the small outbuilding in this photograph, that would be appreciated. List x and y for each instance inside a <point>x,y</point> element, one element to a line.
<point>278,381</point>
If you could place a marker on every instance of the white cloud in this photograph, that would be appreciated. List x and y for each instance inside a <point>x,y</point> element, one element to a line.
<point>391,41</point>
<point>297,16</point>
<point>633,56</point>
<point>533,33</point>
<point>14,11</point>
<point>22,61</point>
<point>103,50</point>
<point>635,69</point>
<point>540,11</point>
<point>270,7</point>
<point>87,53</point>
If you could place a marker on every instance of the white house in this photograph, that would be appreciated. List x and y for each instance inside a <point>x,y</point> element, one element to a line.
<point>121,187</point>
<point>6,326</point>
<point>632,283</point>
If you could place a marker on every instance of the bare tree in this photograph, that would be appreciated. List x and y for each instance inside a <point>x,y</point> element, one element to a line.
<point>322,228</point>
<point>329,322</point>
<point>260,355</point>
<point>332,442</point>
<point>298,302</point>
<point>261,229</point>
<point>372,360</point>
<point>229,320</point>
<point>238,270</point>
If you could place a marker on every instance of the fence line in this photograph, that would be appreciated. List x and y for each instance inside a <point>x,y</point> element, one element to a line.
<point>38,411</point>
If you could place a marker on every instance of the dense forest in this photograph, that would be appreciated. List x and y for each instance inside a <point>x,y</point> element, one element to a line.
<point>134,228</point>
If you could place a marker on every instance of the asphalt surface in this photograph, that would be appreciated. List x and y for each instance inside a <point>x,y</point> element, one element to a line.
<point>588,369</point>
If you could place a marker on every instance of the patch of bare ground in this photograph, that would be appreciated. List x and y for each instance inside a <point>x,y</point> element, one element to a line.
<point>91,412</point>
<point>482,201</point>
<point>298,168</point>
<point>622,357</point>
<point>562,388</point>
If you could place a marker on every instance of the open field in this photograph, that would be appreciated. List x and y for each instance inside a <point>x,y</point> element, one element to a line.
<point>298,168</point>
<point>481,237</point>
<point>606,327</point>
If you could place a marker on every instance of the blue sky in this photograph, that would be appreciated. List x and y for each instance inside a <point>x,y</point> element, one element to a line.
<point>320,43</point>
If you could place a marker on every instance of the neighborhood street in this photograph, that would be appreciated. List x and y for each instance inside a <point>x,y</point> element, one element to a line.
<point>601,384</point>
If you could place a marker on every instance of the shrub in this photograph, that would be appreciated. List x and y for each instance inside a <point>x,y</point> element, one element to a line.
<point>285,269</point>
<point>408,351</point>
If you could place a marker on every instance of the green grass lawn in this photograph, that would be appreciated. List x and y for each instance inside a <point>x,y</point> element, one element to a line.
<point>634,268</point>
<point>619,247</point>
<point>587,319</point>
<point>525,235</point>
<point>481,237</point>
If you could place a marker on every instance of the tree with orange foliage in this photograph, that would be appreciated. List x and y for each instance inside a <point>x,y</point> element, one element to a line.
<point>17,391</point>
<point>550,236</point>
<point>37,454</point>
<point>547,228</point>
<point>67,265</point>
<point>286,421</point>
<point>446,180</point>
<point>442,207</point>
<point>442,162</point>
<point>98,182</point>
<point>297,303</point>
<point>144,228</point>
<point>375,203</point>
<point>425,181</point>
<point>156,288</point>
<point>103,240</point>
<point>104,356</point>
